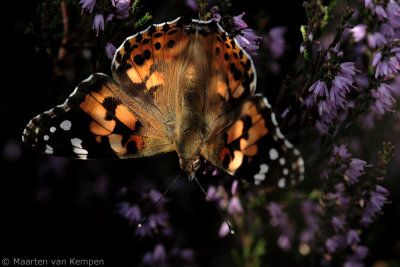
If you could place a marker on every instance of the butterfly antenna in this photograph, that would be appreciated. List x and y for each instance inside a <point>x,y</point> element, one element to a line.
<point>215,205</point>
<point>144,219</point>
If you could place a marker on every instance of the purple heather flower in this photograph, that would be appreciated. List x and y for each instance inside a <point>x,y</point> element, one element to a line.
<point>110,17</point>
<point>359,32</point>
<point>238,20</point>
<point>275,41</point>
<point>193,5</point>
<point>387,30</point>
<point>247,40</point>
<point>246,37</point>
<point>215,15</point>
<point>340,196</point>
<point>88,5</point>
<point>223,230</point>
<point>284,242</point>
<point>352,237</point>
<point>159,253</point>
<point>355,170</point>
<point>110,50</point>
<point>234,206</point>
<point>234,187</point>
<point>338,222</point>
<point>380,12</point>
<point>322,127</point>
<point>219,195</point>
<point>335,242</point>
<point>353,264</point>
<point>360,253</point>
<point>123,7</point>
<point>277,214</point>
<point>383,98</point>
<point>155,258</point>
<point>376,39</point>
<point>131,213</point>
<point>341,152</point>
<point>98,23</point>
<point>319,88</point>
<point>310,212</point>
<point>376,201</point>
<point>385,66</point>
<point>369,4</point>
<point>393,13</point>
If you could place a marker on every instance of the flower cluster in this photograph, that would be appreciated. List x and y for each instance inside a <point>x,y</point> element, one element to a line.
<point>157,220</point>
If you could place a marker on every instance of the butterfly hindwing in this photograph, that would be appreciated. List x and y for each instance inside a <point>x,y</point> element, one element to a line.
<point>253,148</point>
<point>97,121</point>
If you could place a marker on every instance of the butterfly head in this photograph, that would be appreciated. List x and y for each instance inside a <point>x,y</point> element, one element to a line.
<point>190,166</point>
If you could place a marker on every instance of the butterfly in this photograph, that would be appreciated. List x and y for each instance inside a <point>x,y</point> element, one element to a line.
<point>188,88</point>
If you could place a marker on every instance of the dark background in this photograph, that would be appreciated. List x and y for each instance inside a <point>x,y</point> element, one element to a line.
<point>54,207</point>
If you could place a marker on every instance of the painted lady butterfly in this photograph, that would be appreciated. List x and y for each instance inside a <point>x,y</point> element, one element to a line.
<point>175,87</point>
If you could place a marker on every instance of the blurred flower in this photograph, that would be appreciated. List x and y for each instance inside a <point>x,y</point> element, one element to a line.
<point>319,89</point>
<point>223,230</point>
<point>87,5</point>
<point>275,41</point>
<point>123,9</point>
<point>359,32</point>
<point>130,212</point>
<point>98,23</point>
<point>215,15</point>
<point>386,65</point>
<point>110,50</point>
<point>377,199</point>
<point>234,187</point>
<point>355,170</point>
<point>234,206</point>
<point>193,5</point>
<point>338,222</point>
<point>383,99</point>
<point>376,39</point>
<point>352,237</point>
<point>310,212</point>
<point>380,12</point>
<point>156,258</point>
<point>335,242</point>
<point>280,219</point>
<point>393,13</point>
<point>12,150</point>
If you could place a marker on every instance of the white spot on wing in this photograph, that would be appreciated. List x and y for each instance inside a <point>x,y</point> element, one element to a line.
<point>285,171</point>
<point>66,125</point>
<point>282,183</point>
<point>45,137</point>
<point>273,118</point>
<point>282,161</point>
<point>76,142</point>
<point>49,150</point>
<point>53,129</point>
<point>288,144</point>
<point>264,168</point>
<point>259,176</point>
<point>273,154</point>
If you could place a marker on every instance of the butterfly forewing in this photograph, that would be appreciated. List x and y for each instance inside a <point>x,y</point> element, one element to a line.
<point>97,121</point>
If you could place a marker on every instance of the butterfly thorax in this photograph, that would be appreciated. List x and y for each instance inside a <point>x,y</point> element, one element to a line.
<point>189,129</point>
